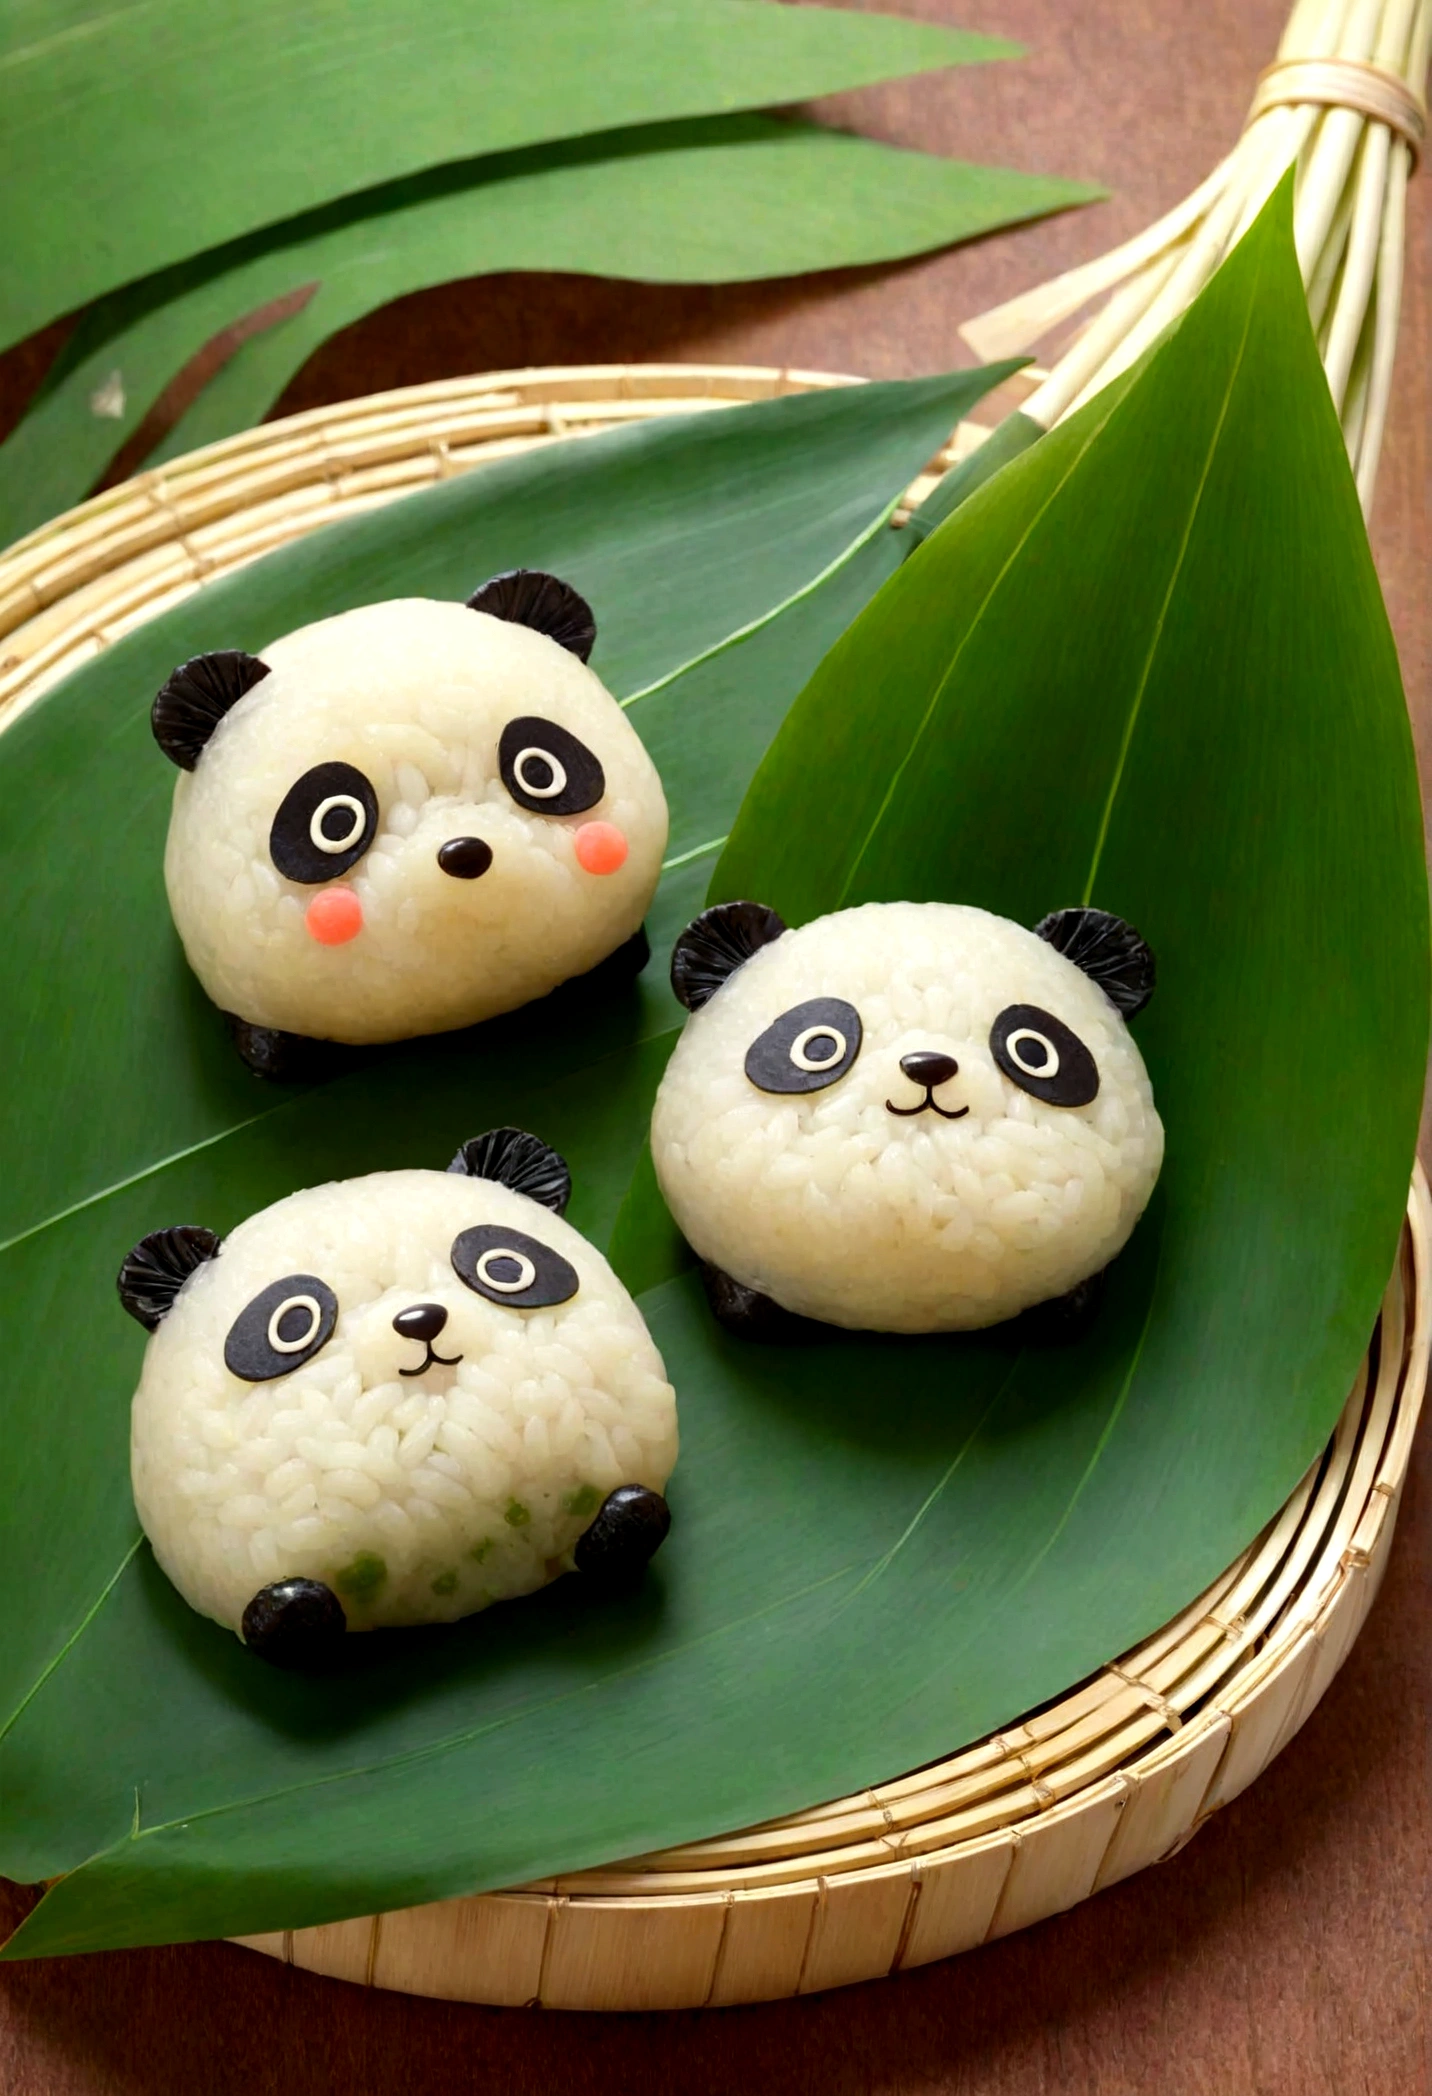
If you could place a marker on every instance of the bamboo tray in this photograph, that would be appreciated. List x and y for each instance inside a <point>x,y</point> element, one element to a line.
<point>1124,1768</point>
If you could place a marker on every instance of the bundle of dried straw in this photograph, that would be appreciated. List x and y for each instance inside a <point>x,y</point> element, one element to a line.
<point>1343,99</point>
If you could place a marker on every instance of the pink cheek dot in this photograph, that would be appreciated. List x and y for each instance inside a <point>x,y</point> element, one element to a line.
<point>600,847</point>
<point>334,917</point>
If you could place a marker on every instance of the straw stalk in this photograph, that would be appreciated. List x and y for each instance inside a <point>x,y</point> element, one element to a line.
<point>1343,100</point>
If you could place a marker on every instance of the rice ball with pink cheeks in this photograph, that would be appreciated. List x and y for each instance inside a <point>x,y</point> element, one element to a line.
<point>407,818</point>
<point>394,1400</point>
<point>906,1117</point>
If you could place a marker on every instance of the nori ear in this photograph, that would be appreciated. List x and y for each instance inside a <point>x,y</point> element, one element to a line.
<point>152,1275</point>
<point>523,1162</point>
<point>714,945</point>
<point>528,597</point>
<point>195,699</point>
<point>1110,952</point>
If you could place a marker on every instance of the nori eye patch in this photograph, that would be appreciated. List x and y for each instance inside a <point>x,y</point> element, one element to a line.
<point>284,1326</point>
<point>807,1048</point>
<point>546,769</point>
<point>511,1268</point>
<point>1038,1052</point>
<point>325,823</point>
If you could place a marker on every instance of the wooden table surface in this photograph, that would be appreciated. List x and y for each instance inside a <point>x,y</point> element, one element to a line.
<point>1286,1952</point>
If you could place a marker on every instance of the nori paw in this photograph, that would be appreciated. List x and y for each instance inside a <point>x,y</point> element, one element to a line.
<point>629,1528</point>
<point>1065,1318</point>
<point>747,1314</point>
<point>294,1623</point>
<point>625,963</point>
<point>283,1058</point>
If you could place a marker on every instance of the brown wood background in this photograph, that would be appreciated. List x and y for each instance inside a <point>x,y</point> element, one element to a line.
<point>1286,1952</point>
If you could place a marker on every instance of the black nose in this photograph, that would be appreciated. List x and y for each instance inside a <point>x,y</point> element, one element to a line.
<point>424,1321</point>
<point>465,857</point>
<point>929,1068</point>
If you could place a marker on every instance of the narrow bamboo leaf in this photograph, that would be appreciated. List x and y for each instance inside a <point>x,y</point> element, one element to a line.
<point>724,201</point>
<point>730,198</point>
<point>140,135</point>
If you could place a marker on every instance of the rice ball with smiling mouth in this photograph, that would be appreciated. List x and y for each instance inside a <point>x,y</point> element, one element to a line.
<point>905,1117</point>
<point>406,819</point>
<point>394,1400</point>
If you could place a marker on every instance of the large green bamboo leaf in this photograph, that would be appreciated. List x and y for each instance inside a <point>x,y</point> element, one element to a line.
<point>120,1086</point>
<point>715,200</point>
<point>883,1547</point>
<point>139,134</point>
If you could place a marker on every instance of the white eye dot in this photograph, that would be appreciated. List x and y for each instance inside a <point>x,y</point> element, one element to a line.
<point>303,1316</point>
<point>508,1272</point>
<point>1035,1053</point>
<point>338,822</point>
<point>818,1048</point>
<point>539,773</point>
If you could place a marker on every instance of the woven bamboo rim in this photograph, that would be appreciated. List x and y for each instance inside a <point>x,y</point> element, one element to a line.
<point>1118,1773</point>
<point>71,588</point>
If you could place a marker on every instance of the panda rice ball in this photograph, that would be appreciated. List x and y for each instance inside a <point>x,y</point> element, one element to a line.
<point>906,1117</point>
<point>394,1400</point>
<point>405,819</point>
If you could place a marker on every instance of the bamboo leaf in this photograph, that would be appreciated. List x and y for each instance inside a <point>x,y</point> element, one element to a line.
<point>730,198</point>
<point>120,1086</point>
<point>1148,658</point>
<point>1008,438</point>
<point>142,134</point>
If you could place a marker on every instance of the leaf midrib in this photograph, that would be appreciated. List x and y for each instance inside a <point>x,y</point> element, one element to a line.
<point>831,569</point>
<point>386,1764</point>
<point>70,1642</point>
<point>1105,1435</point>
<point>149,1171</point>
<point>99,25</point>
<point>943,684</point>
<point>883,1564</point>
<point>1156,637</point>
